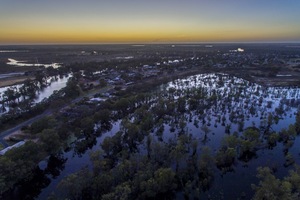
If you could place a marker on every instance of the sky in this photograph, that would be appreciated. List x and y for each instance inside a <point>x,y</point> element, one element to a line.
<point>148,21</point>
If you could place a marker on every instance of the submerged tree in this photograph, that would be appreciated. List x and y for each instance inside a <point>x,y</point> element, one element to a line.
<point>249,143</point>
<point>270,187</point>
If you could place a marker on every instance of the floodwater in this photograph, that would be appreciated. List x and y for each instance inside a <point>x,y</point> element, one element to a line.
<point>14,62</point>
<point>235,98</point>
<point>53,84</point>
<point>239,97</point>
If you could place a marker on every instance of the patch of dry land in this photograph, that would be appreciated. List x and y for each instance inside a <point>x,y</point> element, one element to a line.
<point>286,78</point>
<point>13,80</point>
<point>18,135</point>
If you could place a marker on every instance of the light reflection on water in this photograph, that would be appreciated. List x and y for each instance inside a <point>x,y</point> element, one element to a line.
<point>76,162</point>
<point>54,84</point>
<point>237,95</point>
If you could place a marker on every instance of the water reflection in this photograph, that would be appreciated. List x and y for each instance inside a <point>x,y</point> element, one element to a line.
<point>224,104</point>
<point>41,178</point>
<point>53,84</point>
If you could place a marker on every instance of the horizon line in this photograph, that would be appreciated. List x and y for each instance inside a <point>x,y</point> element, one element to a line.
<point>149,43</point>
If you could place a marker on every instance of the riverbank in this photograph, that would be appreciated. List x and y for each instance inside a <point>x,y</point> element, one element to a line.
<point>281,79</point>
<point>9,81</point>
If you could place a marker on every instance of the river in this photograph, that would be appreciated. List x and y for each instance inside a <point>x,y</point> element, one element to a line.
<point>53,84</point>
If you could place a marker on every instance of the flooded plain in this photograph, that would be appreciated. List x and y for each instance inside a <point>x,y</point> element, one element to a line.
<point>215,106</point>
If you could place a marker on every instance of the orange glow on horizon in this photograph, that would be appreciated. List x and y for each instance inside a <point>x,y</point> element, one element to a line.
<point>134,36</point>
<point>138,31</point>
